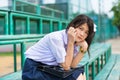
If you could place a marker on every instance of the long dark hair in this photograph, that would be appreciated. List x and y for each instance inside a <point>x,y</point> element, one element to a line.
<point>79,20</point>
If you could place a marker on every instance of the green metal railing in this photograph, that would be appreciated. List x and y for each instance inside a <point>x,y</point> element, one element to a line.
<point>39,20</point>
<point>100,54</point>
<point>18,20</point>
<point>19,39</point>
<point>98,58</point>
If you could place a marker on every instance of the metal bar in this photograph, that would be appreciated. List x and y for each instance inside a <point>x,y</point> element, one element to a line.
<point>51,25</point>
<point>87,71</point>
<point>28,25</point>
<point>6,24</point>
<point>93,70</point>
<point>11,23</point>
<point>15,58</point>
<point>23,48</point>
<point>41,26</point>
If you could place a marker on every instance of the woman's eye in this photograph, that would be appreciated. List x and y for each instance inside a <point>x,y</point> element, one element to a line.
<point>81,28</point>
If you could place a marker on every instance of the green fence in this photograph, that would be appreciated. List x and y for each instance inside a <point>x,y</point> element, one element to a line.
<point>27,18</point>
<point>13,23</point>
<point>19,39</point>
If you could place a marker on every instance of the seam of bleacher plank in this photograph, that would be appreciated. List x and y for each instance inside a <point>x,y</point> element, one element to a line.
<point>115,72</point>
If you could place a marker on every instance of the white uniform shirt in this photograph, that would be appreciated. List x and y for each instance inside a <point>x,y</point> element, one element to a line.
<point>51,49</point>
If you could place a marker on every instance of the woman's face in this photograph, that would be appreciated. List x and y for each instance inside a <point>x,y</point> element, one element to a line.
<point>81,32</point>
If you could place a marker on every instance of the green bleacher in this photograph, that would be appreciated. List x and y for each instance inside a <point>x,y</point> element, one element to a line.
<point>26,22</point>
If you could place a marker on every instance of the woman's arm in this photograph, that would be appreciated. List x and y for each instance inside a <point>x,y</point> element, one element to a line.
<point>80,54</point>
<point>69,57</point>
<point>70,49</point>
<point>77,59</point>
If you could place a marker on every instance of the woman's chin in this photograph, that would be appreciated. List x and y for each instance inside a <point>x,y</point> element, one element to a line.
<point>77,43</point>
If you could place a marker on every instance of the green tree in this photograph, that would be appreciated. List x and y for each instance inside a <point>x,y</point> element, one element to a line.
<point>116,11</point>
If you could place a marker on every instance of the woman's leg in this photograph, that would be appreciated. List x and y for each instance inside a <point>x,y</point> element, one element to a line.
<point>81,77</point>
<point>76,75</point>
<point>84,76</point>
<point>31,72</point>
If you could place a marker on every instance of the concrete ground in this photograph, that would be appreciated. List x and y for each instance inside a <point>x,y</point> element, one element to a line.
<point>115,45</point>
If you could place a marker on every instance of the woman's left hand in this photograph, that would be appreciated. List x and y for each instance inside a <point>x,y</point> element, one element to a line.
<point>83,46</point>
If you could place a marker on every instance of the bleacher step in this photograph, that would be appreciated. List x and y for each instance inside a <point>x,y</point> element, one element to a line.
<point>13,76</point>
<point>107,68</point>
<point>115,73</point>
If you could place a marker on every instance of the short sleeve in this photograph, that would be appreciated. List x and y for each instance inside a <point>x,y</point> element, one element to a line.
<point>57,48</point>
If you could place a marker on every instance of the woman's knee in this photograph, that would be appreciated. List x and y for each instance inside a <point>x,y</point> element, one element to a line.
<point>81,77</point>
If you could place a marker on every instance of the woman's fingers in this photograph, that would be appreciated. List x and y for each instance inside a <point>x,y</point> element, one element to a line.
<point>71,34</point>
<point>83,46</point>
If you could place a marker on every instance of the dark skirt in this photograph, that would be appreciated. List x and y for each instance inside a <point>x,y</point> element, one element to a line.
<point>30,72</point>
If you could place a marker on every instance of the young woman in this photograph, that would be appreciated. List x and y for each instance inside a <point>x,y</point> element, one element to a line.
<point>63,48</point>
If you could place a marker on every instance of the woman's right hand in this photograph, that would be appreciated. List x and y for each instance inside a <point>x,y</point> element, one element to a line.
<point>70,49</point>
<point>71,34</point>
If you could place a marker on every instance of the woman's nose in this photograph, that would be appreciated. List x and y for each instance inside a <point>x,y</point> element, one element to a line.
<point>82,33</point>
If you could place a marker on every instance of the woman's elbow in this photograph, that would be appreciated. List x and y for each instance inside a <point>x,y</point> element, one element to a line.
<point>65,67</point>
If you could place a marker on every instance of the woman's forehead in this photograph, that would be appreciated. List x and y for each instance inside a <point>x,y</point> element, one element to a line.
<point>85,26</point>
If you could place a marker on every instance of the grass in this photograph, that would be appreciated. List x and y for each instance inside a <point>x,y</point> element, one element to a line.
<point>9,54</point>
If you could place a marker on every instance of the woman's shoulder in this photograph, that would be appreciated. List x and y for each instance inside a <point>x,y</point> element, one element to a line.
<point>56,34</point>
